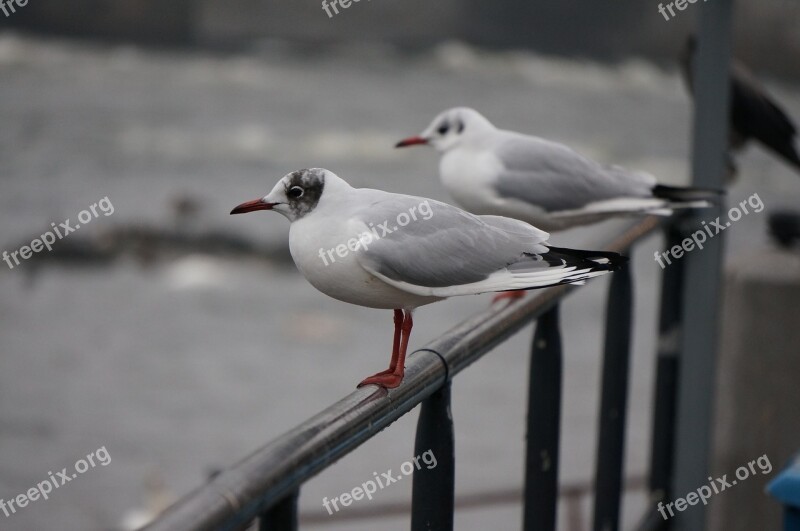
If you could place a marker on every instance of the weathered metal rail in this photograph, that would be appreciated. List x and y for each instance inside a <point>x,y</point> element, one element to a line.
<point>265,485</point>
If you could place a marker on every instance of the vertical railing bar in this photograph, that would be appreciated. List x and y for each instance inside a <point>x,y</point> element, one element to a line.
<point>433,492</point>
<point>544,426</point>
<point>282,516</point>
<point>662,443</point>
<point>701,306</point>
<point>613,402</point>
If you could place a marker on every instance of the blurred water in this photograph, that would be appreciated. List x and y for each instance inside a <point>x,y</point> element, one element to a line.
<point>186,365</point>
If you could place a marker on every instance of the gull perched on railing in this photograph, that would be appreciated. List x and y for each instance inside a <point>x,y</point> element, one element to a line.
<point>492,171</point>
<point>754,113</point>
<point>391,251</point>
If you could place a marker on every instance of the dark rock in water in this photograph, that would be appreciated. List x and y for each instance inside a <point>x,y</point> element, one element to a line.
<point>149,245</point>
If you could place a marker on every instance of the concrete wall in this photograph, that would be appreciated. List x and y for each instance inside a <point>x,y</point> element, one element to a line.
<point>758,398</point>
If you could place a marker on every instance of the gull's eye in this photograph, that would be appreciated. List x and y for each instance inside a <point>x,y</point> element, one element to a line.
<point>443,129</point>
<point>295,192</point>
<point>460,127</point>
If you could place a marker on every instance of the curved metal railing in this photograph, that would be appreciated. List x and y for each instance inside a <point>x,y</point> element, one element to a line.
<point>265,485</point>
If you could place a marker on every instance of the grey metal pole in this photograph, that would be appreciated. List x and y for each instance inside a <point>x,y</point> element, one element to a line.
<point>701,304</point>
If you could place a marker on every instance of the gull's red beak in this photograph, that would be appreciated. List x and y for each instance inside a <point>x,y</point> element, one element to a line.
<point>412,141</point>
<point>252,206</point>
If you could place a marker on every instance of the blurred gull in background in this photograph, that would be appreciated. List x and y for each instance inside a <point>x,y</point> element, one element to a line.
<point>754,113</point>
<point>493,171</point>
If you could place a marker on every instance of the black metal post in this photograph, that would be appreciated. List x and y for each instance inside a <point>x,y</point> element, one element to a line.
<point>282,516</point>
<point>544,426</point>
<point>666,384</point>
<point>433,494</point>
<point>613,402</point>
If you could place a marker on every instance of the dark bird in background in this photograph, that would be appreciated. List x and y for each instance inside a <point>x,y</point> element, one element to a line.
<point>754,114</point>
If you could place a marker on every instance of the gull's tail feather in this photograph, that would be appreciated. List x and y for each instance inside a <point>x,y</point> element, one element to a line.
<point>563,266</point>
<point>687,194</point>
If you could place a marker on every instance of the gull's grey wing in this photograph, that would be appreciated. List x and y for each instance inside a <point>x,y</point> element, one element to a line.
<point>450,248</point>
<point>554,177</point>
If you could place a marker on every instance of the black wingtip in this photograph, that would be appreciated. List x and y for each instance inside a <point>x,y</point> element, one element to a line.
<point>686,193</point>
<point>580,257</point>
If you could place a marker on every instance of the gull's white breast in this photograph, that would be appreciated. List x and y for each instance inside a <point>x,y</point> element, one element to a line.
<point>342,277</point>
<point>470,176</point>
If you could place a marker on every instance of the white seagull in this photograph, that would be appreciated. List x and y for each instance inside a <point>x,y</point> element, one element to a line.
<point>492,171</point>
<point>391,251</point>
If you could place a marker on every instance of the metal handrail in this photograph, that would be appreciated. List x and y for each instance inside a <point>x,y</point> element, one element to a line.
<point>272,475</point>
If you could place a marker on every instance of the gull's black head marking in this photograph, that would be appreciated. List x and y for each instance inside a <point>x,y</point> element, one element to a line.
<point>303,190</point>
<point>451,124</point>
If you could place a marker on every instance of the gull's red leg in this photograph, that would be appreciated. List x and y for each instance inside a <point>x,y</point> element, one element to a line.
<point>398,332</point>
<point>400,369</point>
<point>510,296</point>
<point>398,323</point>
<point>392,377</point>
